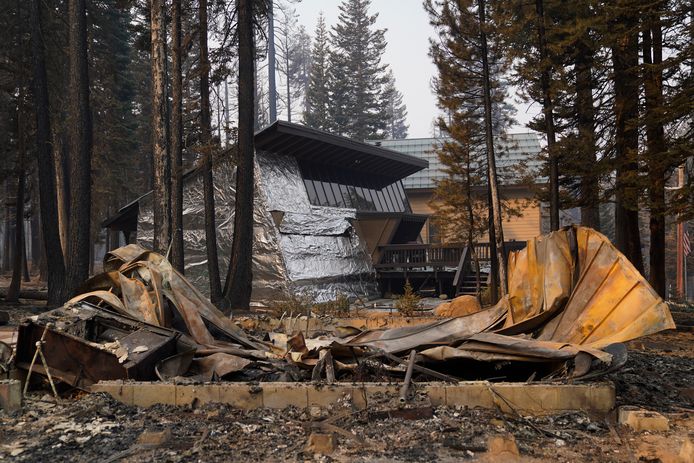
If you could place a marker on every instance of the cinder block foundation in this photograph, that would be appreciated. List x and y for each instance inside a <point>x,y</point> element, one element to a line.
<point>642,420</point>
<point>528,399</point>
<point>10,395</point>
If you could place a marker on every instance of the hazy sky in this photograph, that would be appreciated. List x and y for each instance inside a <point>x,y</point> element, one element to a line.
<point>407,34</point>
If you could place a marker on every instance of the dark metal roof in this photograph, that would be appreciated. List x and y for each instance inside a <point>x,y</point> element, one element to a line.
<point>320,147</point>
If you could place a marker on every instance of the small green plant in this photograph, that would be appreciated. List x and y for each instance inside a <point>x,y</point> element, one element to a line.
<point>337,307</point>
<point>408,303</point>
<point>293,305</point>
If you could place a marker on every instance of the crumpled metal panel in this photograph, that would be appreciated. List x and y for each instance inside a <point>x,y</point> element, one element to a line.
<point>314,250</point>
<point>570,291</point>
<point>611,301</point>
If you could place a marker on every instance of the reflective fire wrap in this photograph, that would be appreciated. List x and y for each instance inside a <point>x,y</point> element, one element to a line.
<point>297,247</point>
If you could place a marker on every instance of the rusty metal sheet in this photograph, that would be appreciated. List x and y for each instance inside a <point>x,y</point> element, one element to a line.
<point>148,285</point>
<point>540,277</point>
<point>571,292</point>
<point>611,302</point>
<point>219,364</point>
<point>445,331</point>
<point>84,344</point>
<point>496,347</point>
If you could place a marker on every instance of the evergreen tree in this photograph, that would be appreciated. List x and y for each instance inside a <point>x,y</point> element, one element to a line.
<point>160,155</point>
<point>317,99</point>
<point>564,75</point>
<point>299,68</point>
<point>293,59</point>
<point>357,75</point>
<point>395,109</point>
<point>80,142</point>
<point>459,53</point>
<point>45,161</point>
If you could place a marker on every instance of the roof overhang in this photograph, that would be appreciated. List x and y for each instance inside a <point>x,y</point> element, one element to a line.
<point>316,146</point>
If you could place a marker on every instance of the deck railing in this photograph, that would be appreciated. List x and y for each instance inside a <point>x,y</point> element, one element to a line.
<point>433,255</point>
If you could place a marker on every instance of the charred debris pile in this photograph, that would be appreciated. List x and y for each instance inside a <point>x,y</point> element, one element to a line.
<point>573,301</point>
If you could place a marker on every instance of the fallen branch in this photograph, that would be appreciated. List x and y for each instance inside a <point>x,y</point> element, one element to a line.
<point>28,294</point>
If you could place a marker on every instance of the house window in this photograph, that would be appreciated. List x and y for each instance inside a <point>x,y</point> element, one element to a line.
<point>434,234</point>
<point>334,187</point>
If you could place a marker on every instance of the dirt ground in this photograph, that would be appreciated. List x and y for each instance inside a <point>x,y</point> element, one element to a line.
<point>659,376</point>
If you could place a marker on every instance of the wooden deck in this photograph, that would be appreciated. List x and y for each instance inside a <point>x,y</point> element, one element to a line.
<point>438,268</point>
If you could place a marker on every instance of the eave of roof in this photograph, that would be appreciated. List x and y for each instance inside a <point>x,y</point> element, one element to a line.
<point>307,144</point>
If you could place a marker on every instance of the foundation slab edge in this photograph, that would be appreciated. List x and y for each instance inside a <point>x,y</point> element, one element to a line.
<point>529,399</point>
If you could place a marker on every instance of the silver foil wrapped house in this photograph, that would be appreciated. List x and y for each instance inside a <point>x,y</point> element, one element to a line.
<point>324,204</point>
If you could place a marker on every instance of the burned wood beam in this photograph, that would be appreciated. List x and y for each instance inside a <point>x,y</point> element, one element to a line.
<point>419,368</point>
<point>404,390</point>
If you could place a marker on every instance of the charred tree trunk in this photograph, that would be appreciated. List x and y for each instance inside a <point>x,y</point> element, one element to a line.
<point>272,85</point>
<point>177,258</point>
<point>289,90</point>
<point>25,264</point>
<point>55,264</point>
<point>80,149</point>
<point>585,112</point>
<point>493,258</point>
<point>36,253</point>
<point>548,112</point>
<point>471,227</point>
<point>161,192</point>
<point>655,136</point>
<point>62,179</point>
<point>237,290</point>
<point>491,159</point>
<point>19,255</point>
<point>625,57</point>
<point>208,180</point>
<point>7,237</point>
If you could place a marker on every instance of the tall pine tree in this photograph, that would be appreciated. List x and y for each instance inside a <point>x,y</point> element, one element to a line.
<point>459,55</point>
<point>395,109</point>
<point>357,75</point>
<point>317,100</point>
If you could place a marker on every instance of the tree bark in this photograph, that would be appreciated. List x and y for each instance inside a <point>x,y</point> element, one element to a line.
<point>80,137</point>
<point>272,85</point>
<point>19,255</point>
<point>289,87</point>
<point>585,112</point>
<point>160,162</point>
<point>237,290</point>
<point>625,55</point>
<point>7,237</point>
<point>177,257</point>
<point>471,228</point>
<point>62,180</point>
<point>226,113</point>
<point>208,180</point>
<point>36,253</point>
<point>491,159</point>
<point>655,136</point>
<point>548,112</point>
<point>53,252</point>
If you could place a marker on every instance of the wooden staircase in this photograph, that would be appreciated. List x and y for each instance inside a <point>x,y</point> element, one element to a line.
<point>468,284</point>
<point>465,279</point>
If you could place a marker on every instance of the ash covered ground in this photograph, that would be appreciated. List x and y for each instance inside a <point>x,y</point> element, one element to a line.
<point>659,376</point>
